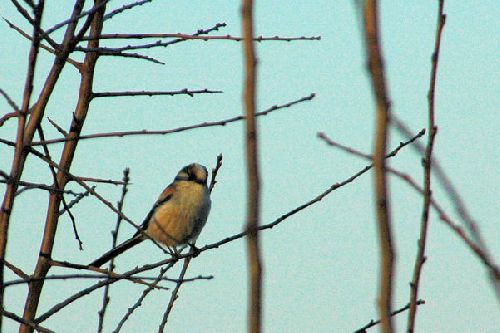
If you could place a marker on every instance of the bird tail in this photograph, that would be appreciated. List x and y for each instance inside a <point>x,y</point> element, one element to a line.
<point>117,251</point>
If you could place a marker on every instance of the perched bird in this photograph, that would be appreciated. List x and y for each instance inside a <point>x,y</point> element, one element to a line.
<point>178,215</point>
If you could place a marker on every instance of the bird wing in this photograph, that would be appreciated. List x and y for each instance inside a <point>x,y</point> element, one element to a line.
<point>165,196</point>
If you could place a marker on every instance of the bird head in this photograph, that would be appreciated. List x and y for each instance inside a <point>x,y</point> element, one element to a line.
<point>193,172</point>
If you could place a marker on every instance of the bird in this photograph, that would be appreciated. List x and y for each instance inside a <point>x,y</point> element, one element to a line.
<point>177,217</point>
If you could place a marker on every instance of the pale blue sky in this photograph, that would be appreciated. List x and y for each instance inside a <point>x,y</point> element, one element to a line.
<point>320,266</point>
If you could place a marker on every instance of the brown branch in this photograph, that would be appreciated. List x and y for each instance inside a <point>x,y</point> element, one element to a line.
<point>19,152</point>
<point>386,246</point>
<point>427,162</point>
<point>440,211</point>
<point>184,91</point>
<point>254,260</point>
<point>175,130</point>
<point>19,272</point>
<point>376,322</point>
<point>43,264</point>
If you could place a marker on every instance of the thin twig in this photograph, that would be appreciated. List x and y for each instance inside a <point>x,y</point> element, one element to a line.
<point>75,18</point>
<point>478,246</point>
<point>457,230</point>
<point>216,27</point>
<point>109,274</point>
<point>29,186</point>
<point>99,180</point>
<point>75,201</point>
<point>123,55</point>
<point>139,301</point>
<point>184,91</point>
<point>427,163</point>
<point>174,296</point>
<point>57,127</point>
<point>52,49</point>
<point>376,322</point>
<point>215,170</point>
<point>114,235</point>
<point>10,101</point>
<point>20,320</point>
<point>205,38</point>
<point>56,308</point>
<point>56,185</point>
<point>175,130</point>
<point>92,191</point>
<point>185,37</point>
<point>57,277</point>
<point>124,8</point>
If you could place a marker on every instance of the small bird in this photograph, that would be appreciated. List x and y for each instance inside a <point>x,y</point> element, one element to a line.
<point>178,215</point>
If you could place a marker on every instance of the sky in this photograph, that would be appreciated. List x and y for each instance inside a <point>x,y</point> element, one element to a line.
<point>320,265</point>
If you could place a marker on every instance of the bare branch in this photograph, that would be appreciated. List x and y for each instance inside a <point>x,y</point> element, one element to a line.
<point>19,272</point>
<point>19,152</point>
<point>20,320</point>
<point>56,308</point>
<point>175,130</point>
<point>11,102</point>
<point>215,170</point>
<point>205,38</point>
<point>173,296</point>
<point>376,322</point>
<point>57,127</point>
<point>75,201</point>
<point>124,8</point>
<point>184,91</point>
<point>485,259</point>
<point>254,261</point>
<point>114,235</point>
<point>75,18</point>
<point>99,180</point>
<point>57,277</point>
<point>52,49</point>
<point>427,162</point>
<point>384,228</point>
